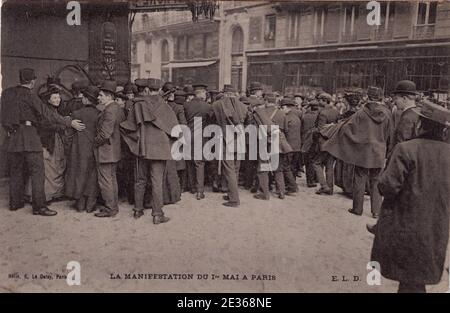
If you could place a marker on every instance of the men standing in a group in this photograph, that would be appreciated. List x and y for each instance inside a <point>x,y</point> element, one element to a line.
<point>411,236</point>
<point>151,121</point>
<point>21,111</point>
<point>324,161</point>
<point>198,113</point>
<point>108,149</point>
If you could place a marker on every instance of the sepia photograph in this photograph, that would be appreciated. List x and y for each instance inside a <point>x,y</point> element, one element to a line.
<point>203,146</point>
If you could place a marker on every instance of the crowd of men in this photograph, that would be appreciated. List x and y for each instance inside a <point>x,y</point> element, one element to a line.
<point>118,141</point>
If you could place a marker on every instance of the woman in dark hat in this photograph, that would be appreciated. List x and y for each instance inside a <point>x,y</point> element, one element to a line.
<point>53,147</point>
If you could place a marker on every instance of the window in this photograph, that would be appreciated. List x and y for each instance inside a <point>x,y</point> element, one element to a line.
<point>190,50</point>
<point>148,51</point>
<point>270,27</point>
<point>237,41</point>
<point>165,51</point>
<point>426,13</point>
<point>145,21</point>
<point>294,28</point>
<point>133,52</point>
<point>319,23</point>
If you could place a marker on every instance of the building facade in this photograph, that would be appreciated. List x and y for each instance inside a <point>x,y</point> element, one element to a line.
<point>292,46</point>
<point>169,46</point>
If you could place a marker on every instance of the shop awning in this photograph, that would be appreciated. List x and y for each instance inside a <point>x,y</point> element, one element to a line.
<point>189,64</point>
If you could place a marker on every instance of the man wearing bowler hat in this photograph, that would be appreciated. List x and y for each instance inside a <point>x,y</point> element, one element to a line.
<point>405,121</point>
<point>197,110</point>
<point>21,112</point>
<point>107,148</point>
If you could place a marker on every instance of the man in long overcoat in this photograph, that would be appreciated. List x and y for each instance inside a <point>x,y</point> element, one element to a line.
<point>412,233</point>
<point>229,111</point>
<point>197,110</point>
<point>81,176</point>
<point>147,131</point>
<point>362,140</point>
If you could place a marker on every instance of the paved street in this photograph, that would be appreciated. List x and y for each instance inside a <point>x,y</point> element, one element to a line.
<point>299,244</point>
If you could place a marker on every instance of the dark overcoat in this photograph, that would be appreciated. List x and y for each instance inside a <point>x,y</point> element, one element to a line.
<point>81,162</point>
<point>19,104</point>
<point>148,128</point>
<point>362,139</point>
<point>293,130</point>
<point>413,228</point>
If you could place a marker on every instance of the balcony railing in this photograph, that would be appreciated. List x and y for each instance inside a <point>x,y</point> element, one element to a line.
<point>424,31</point>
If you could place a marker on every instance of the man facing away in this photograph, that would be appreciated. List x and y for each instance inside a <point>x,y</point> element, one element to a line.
<point>147,131</point>
<point>362,140</point>
<point>195,110</point>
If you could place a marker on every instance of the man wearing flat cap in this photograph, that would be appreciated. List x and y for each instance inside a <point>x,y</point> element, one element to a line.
<point>147,131</point>
<point>107,148</point>
<point>21,112</point>
<point>198,110</point>
<point>405,122</point>
<point>411,235</point>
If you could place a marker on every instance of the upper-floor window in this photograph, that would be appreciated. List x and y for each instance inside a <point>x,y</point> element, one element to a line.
<point>148,51</point>
<point>270,27</point>
<point>294,27</point>
<point>426,13</point>
<point>165,57</point>
<point>387,14</point>
<point>134,52</point>
<point>237,41</point>
<point>145,21</point>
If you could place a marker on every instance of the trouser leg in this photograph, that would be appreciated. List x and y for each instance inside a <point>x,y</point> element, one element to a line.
<point>35,163</point>
<point>263,179</point>
<point>200,175</point>
<point>16,161</point>
<point>107,181</point>
<point>329,169</point>
<point>190,166</point>
<point>291,184</point>
<point>375,196</point>
<point>141,174</point>
<point>319,169</point>
<point>229,171</point>
<point>359,187</point>
<point>309,169</point>
<point>157,180</point>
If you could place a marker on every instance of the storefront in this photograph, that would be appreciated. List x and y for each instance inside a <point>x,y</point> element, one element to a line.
<point>334,68</point>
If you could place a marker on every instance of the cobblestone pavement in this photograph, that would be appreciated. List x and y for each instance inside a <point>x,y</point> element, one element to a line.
<point>305,243</point>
